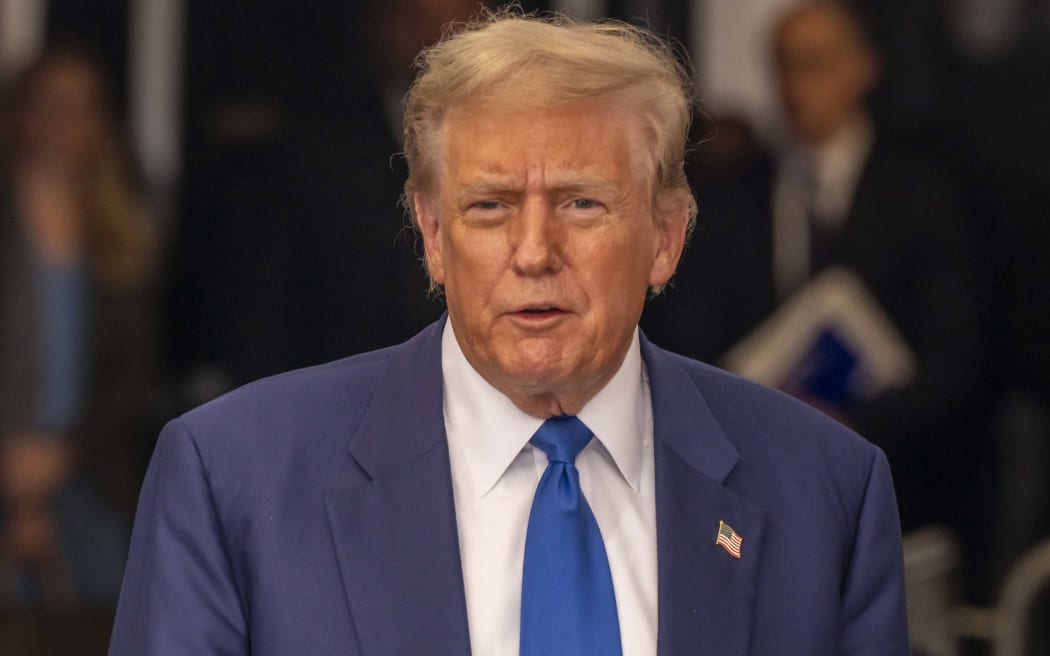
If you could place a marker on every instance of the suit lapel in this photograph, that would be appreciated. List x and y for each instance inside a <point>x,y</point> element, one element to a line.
<point>395,533</point>
<point>706,596</point>
<point>405,599</point>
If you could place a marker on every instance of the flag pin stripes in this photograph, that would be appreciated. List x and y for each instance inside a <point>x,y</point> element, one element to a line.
<point>729,539</point>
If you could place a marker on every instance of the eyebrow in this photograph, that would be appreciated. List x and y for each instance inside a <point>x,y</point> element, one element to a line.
<point>559,184</point>
<point>584,182</point>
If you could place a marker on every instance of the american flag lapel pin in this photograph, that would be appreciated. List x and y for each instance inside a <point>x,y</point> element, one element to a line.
<point>729,539</point>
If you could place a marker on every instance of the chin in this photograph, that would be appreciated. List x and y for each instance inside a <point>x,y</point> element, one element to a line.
<point>536,373</point>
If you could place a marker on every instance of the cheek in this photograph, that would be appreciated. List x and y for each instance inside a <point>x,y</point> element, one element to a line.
<point>474,261</point>
<point>617,275</point>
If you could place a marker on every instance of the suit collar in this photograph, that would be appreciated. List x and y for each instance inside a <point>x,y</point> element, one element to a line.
<point>683,419</point>
<point>404,599</point>
<point>706,596</point>
<point>406,403</point>
<point>405,596</point>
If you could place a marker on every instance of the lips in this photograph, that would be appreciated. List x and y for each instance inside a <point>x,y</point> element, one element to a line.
<point>540,306</point>
<point>539,311</point>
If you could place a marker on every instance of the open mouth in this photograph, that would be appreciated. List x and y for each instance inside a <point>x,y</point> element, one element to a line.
<point>540,312</point>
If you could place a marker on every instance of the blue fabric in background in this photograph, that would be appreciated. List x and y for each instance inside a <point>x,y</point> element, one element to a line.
<point>62,305</point>
<point>829,371</point>
<point>93,537</point>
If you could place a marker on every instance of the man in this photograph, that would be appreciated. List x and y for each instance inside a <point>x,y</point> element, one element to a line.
<point>432,498</point>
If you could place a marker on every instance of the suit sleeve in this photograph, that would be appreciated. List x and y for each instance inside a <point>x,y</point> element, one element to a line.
<point>179,596</point>
<point>874,621</point>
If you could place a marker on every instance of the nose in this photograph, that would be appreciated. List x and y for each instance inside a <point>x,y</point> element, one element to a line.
<point>534,239</point>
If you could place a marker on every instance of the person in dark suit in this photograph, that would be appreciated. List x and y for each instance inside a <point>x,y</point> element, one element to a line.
<point>529,475</point>
<point>314,213</point>
<point>844,194</point>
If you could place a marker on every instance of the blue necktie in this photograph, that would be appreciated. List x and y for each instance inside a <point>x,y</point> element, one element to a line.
<point>568,607</point>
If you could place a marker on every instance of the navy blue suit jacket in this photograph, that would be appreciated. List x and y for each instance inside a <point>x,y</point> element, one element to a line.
<point>312,513</point>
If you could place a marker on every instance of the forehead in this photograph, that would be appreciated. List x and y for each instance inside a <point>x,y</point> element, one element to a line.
<point>67,71</point>
<point>815,28</point>
<point>592,138</point>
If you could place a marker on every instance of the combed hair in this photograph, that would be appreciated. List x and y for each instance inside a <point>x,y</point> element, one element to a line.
<point>533,62</point>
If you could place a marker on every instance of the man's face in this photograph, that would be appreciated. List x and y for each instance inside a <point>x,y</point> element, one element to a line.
<point>543,234</point>
<point>825,72</point>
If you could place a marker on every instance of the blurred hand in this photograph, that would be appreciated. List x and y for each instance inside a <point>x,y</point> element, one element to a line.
<point>33,469</point>
<point>32,543</point>
<point>31,539</point>
<point>49,208</point>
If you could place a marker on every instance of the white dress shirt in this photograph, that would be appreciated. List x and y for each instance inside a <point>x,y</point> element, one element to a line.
<point>815,183</point>
<point>495,472</point>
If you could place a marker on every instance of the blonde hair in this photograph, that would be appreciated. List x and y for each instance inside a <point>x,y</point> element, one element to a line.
<point>543,61</point>
<point>122,240</point>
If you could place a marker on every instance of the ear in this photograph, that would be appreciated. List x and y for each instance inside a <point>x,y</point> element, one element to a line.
<point>427,217</point>
<point>671,223</point>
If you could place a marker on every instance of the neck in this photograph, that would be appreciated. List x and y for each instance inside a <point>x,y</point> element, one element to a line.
<point>851,125</point>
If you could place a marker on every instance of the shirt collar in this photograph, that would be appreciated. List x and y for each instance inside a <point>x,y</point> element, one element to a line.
<point>837,163</point>
<point>617,415</point>
<point>491,431</point>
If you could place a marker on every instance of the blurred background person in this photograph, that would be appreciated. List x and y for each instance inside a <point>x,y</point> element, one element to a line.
<point>303,254</point>
<point>353,262</point>
<point>78,339</point>
<point>840,192</point>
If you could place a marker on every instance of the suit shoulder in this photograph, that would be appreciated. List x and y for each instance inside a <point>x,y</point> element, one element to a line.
<point>792,456</point>
<point>767,421</point>
<point>302,397</point>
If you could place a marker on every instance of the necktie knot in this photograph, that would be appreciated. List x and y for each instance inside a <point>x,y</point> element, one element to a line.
<point>562,438</point>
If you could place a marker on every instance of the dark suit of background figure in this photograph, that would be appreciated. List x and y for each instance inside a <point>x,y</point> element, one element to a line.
<point>356,265</point>
<point>311,258</point>
<point>985,109</point>
<point>294,250</point>
<point>109,434</point>
<point>901,237</point>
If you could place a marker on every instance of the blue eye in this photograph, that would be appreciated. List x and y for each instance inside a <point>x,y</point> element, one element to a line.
<point>487,205</point>
<point>584,204</point>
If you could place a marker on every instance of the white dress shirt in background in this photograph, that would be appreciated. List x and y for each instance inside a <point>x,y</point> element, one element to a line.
<point>815,183</point>
<point>495,472</point>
